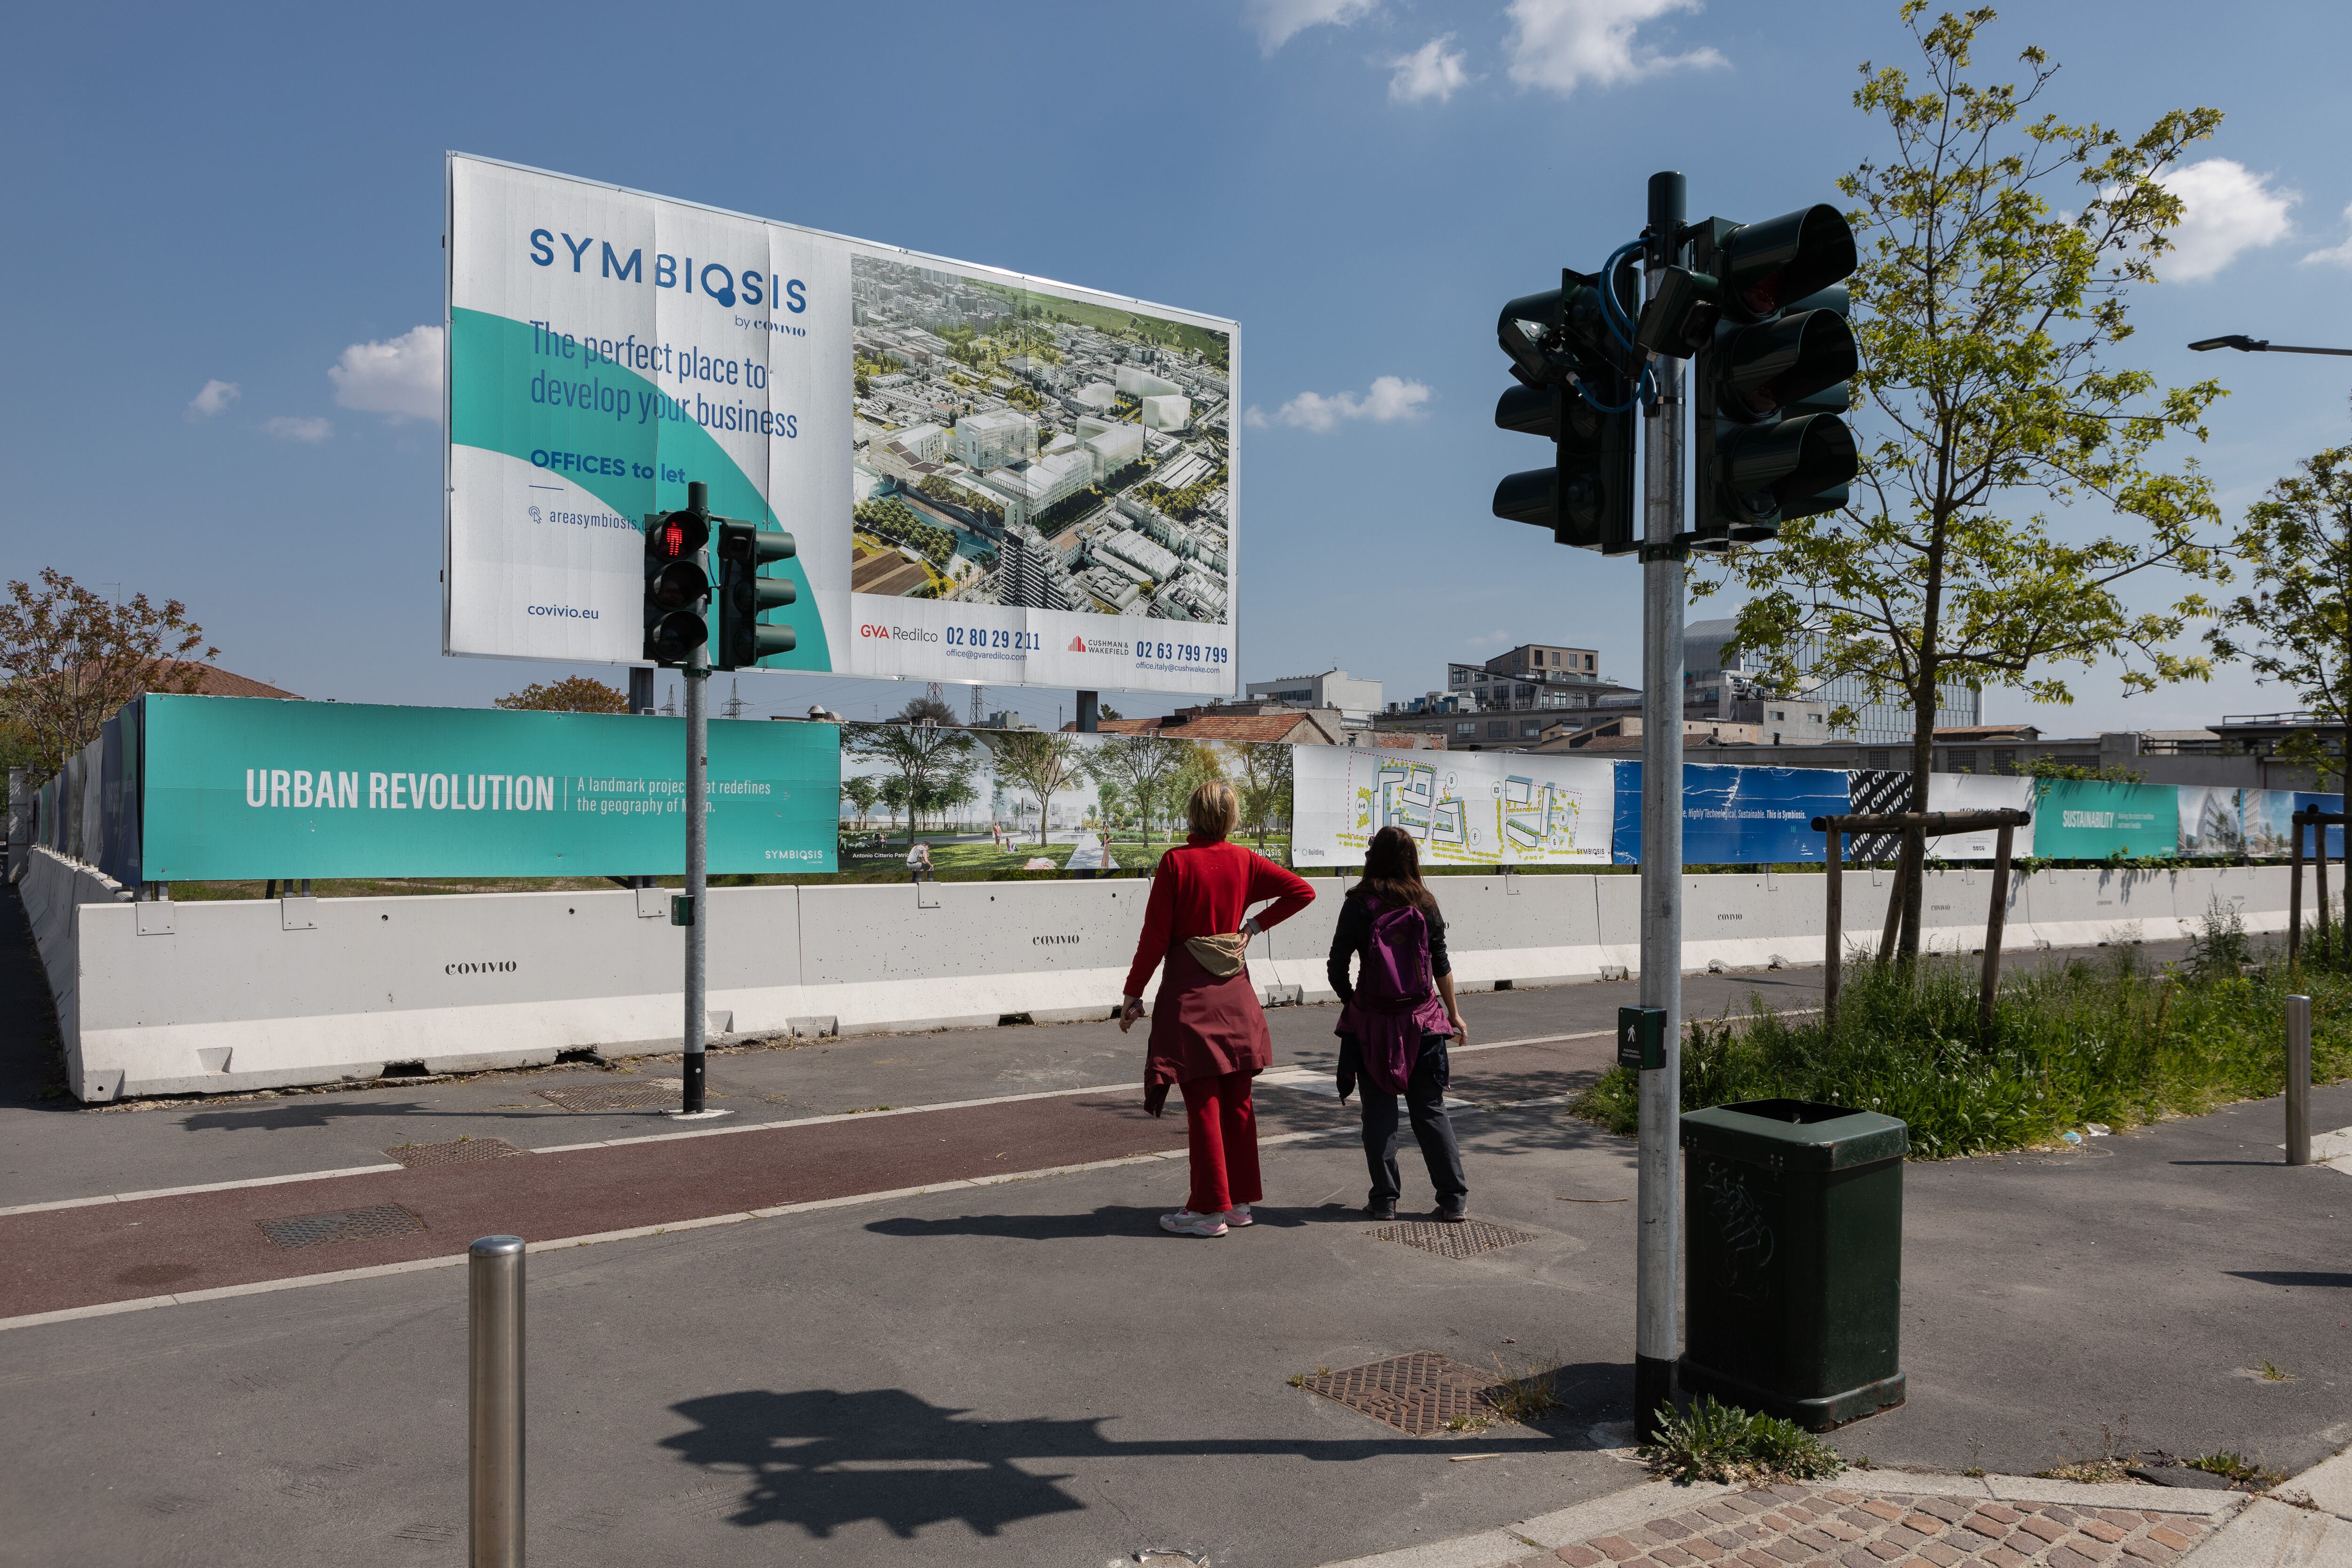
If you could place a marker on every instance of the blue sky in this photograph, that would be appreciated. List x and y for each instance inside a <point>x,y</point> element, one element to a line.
<point>225,225</point>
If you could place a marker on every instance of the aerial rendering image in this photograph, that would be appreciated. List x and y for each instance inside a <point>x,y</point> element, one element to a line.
<point>1016,447</point>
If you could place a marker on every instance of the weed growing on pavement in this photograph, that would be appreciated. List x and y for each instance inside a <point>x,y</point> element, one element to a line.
<point>1524,1396</point>
<point>2110,1039</point>
<point>2235,1468</point>
<point>1723,1443</point>
<point>2272,1374</point>
<point>2115,1451</point>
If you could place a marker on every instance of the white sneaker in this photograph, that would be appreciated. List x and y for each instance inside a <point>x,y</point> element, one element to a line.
<point>1184,1222</point>
<point>1239,1214</point>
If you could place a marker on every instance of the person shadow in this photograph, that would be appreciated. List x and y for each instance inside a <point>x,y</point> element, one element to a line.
<point>1109,1219</point>
<point>827,1459</point>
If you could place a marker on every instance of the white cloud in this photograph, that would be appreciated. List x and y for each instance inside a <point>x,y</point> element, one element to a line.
<point>214,398</point>
<point>1492,640</point>
<point>1429,71</point>
<point>400,379</point>
<point>291,427</point>
<point>1255,419</point>
<point>2340,255</point>
<point>1391,398</point>
<point>1561,45</point>
<point>2227,209</point>
<point>1279,21</point>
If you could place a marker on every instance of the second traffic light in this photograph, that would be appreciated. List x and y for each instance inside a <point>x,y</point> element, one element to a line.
<point>1576,391</point>
<point>743,596</point>
<point>1761,312</point>
<point>677,585</point>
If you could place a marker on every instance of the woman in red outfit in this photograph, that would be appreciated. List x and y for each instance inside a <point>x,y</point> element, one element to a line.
<point>1208,1034</point>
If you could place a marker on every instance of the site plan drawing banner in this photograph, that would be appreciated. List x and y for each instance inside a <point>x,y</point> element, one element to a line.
<point>1462,808</point>
<point>249,786</point>
<point>990,478</point>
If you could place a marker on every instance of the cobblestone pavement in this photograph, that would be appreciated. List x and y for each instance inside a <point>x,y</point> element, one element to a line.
<point>1829,1526</point>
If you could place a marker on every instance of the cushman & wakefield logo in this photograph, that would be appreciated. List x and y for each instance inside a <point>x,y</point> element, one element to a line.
<point>1111,645</point>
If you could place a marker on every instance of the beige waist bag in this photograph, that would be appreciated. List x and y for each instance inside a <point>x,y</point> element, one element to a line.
<point>1219,955</point>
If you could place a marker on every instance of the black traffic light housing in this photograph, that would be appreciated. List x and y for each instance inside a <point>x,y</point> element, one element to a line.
<point>678,585</point>
<point>1758,311</point>
<point>744,594</point>
<point>1578,390</point>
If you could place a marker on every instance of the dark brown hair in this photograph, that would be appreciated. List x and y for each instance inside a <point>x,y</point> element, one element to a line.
<point>1393,870</point>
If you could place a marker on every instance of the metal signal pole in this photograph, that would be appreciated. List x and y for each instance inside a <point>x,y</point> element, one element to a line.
<point>697,768</point>
<point>1658,1251</point>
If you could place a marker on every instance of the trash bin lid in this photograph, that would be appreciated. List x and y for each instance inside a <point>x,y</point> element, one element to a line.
<point>1796,1134</point>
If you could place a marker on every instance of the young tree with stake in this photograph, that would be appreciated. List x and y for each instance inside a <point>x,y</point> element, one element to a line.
<point>1997,253</point>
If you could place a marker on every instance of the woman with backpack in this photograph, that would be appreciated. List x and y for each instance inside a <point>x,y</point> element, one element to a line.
<point>1399,1013</point>
<point>1208,1034</point>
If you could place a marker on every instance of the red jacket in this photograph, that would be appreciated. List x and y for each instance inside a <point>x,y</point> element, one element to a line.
<point>1205,889</point>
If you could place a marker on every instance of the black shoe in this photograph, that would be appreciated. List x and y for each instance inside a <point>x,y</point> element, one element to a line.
<point>1460,1215</point>
<point>1380,1208</point>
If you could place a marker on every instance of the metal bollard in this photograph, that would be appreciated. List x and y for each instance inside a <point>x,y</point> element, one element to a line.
<point>2298,1080</point>
<point>494,1402</point>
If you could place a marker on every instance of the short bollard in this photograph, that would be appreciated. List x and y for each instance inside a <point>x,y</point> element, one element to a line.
<point>494,1402</point>
<point>2298,1080</point>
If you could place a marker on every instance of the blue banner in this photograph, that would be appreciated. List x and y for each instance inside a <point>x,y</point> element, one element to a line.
<point>1739,817</point>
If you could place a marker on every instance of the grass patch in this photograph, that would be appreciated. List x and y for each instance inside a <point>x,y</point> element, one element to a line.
<point>1723,1443</point>
<point>1525,1397</point>
<point>2110,1039</point>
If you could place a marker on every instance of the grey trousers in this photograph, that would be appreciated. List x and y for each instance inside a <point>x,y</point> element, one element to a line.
<point>1425,1102</point>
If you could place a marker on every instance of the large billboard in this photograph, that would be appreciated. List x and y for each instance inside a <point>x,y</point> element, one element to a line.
<point>990,478</point>
<point>246,786</point>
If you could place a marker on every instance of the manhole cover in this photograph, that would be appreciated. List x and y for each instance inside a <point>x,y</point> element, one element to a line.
<point>1457,1239</point>
<point>345,1224</point>
<point>460,1151</point>
<point>1416,1394</point>
<point>638,1094</point>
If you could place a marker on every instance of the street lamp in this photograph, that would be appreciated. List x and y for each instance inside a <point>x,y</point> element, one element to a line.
<point>2245,344</point>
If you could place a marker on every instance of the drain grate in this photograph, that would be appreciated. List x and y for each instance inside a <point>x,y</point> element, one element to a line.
<point>372,1224</point>
<point>460,1151</point>
<point>638,1094</point>
<point>1416,1394</point>
<point>1457,1239</point>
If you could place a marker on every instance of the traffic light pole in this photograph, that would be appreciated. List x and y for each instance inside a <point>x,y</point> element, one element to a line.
<point>1658,1251</point>
<point>697,768</point>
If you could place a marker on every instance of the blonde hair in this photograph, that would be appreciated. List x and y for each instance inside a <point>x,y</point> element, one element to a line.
<point>1214,811</point>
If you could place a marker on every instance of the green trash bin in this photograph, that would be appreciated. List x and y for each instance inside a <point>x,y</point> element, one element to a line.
<point>1792,1282</point>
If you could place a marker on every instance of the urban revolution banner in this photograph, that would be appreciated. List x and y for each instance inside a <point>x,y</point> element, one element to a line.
<point>243,787</point>
<point>1735,815</point>
<point>990,478</point>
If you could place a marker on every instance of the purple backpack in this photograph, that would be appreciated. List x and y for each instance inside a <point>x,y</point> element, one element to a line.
<point>1396,1000</point>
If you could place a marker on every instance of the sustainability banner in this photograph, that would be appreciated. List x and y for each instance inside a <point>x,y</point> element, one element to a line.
<point>244,787</point>
<point>1462,808</point>
<point>2077,820</point>
<point>990,478</point>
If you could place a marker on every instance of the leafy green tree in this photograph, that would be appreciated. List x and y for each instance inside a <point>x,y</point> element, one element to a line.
<point>1261,773</point>
<point>1997,249</point>
<point>860,793</point>
<point>70,657</point>
<point>917,757</point>
<point>1043,763</point>
<point>2294,629</point>
<point>572,694</point>
<point>1143,767</point>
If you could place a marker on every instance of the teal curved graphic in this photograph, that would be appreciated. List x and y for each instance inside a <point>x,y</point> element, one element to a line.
<point>616,435</point>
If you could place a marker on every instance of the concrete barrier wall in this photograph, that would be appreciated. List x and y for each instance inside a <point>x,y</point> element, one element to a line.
<point>176,997</point>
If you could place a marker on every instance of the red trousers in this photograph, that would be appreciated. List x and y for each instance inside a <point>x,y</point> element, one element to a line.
<point>1220,1125</point>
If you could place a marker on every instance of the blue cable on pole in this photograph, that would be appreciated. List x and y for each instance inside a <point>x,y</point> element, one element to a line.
<point>1620,327</point>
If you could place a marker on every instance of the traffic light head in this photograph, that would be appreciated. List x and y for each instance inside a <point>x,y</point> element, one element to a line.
<point>676,583</point>
<point>1575,391</point>
<point>1765,321</point>
<point>744,595</point>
